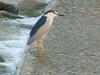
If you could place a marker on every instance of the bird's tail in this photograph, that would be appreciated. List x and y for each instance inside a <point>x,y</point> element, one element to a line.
<point>29,41</point>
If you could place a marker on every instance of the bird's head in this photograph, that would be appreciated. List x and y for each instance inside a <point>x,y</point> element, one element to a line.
<point>53,13</point>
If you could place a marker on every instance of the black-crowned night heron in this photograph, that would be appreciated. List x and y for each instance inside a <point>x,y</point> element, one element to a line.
<point>42,27</point>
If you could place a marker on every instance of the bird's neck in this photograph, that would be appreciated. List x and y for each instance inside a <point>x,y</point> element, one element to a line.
<point>49,18</point>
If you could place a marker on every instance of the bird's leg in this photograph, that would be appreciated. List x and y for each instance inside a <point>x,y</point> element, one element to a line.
<point>40,47</point>
<point>40,44</point>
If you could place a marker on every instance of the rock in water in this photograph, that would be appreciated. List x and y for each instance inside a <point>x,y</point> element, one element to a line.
<point>4,14</point>
<point>1,59</point>
<point>8,11</point>
<point>31,7</point>
<point>8,8</point>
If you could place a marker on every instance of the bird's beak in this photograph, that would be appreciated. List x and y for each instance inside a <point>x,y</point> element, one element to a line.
<point>60,14</point>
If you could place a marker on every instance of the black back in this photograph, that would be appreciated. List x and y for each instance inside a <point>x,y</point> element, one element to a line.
<point>38,24</point>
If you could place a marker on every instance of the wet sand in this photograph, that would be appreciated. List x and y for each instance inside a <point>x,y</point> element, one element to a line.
<point>72,47</point>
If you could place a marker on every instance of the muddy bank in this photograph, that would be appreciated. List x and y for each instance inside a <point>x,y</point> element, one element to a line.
<point>72,47</point>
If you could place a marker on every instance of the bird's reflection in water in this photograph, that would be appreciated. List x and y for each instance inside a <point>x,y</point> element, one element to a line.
<point>46,62</point>
<point>42,57</point>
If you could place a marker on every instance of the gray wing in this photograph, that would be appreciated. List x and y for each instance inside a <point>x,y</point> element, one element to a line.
<point>38,24</point>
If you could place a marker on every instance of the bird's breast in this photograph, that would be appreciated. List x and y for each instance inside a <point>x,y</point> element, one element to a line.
<point>44,29</point>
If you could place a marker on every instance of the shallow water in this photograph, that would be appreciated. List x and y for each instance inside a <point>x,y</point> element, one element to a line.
<point>13,36</point>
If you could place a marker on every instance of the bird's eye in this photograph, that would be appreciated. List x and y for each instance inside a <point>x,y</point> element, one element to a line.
<point>54,12</point>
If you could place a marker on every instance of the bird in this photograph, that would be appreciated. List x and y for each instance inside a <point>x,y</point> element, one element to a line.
<point>42,27</point>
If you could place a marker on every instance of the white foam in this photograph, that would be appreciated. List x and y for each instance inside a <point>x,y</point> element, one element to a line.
<point>13,50</point>
<point>26,20</point>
